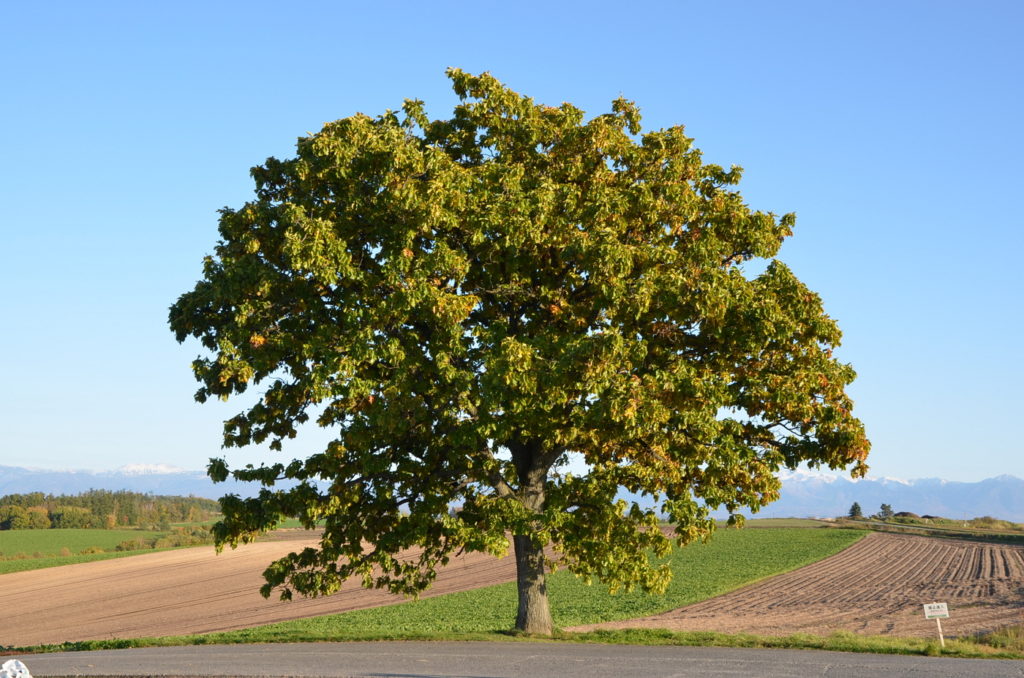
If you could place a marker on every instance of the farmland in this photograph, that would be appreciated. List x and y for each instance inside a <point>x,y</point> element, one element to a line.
<point>976,528</point>
<point>732,559</point>
<point>22,550</point>
<point>193,590</point>
<point>51,542</point>
<point>876,586</point>
<point>40,530</point>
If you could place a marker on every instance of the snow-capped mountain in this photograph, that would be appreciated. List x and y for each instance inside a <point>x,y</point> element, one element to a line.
<point>149,469</point>
<point>807,493</point>
<point>160,479</point>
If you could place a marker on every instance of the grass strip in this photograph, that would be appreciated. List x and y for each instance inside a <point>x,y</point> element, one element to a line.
<point>839,641</point>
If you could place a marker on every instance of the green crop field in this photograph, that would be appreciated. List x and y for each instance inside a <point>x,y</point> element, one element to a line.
<point>51,542</point>
<point>34,549</point>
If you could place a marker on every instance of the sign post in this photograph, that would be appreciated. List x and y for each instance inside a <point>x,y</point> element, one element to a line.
<point>937,611</point>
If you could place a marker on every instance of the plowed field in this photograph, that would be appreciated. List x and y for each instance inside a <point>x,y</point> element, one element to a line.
<point>188,591</point>
<point>877,586</point>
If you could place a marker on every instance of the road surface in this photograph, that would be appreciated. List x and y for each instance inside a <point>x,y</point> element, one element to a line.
<point>502,660</point>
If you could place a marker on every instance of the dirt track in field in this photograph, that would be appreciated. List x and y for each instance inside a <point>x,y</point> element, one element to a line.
<point>877,587</point>
<point>188,591</point>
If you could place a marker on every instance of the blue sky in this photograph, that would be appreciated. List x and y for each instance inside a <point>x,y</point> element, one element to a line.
<point>892,129</point>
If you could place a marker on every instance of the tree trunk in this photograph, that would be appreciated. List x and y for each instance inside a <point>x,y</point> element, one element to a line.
<point>534,615</point>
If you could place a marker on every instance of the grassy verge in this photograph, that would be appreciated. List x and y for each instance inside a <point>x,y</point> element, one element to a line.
<point>1010,638</point>
<point>840,641</point>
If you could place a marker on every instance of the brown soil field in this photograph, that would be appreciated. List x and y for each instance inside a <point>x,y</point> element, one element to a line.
<point>875,587</point>
<point>186,591</point>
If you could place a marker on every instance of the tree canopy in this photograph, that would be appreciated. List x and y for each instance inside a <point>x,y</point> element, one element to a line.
<point>468,304</point>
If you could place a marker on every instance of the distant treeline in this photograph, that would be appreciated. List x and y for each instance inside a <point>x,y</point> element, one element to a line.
<point>101,509</point>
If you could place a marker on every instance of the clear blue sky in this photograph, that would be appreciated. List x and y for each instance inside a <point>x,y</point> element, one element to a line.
<point>892,129</point>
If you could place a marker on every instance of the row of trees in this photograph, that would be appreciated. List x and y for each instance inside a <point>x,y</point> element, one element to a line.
<point>100,509</point>
<point>884,513</point>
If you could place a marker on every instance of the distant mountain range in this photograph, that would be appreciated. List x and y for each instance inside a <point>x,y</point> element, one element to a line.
<point>810,494</point>
<point>804,494</point>
<point>148,479</point>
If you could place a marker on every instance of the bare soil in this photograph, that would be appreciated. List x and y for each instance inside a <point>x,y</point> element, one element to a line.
<point>189,591</point>
<point>875,587</point>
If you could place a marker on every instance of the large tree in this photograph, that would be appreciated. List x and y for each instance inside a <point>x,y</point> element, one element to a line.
<point>505,319</point>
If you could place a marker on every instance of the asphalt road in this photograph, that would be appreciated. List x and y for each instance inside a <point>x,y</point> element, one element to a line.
<point>500,660</point>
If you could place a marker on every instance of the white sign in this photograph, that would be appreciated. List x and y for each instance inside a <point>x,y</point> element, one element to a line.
<point>936,611</point>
